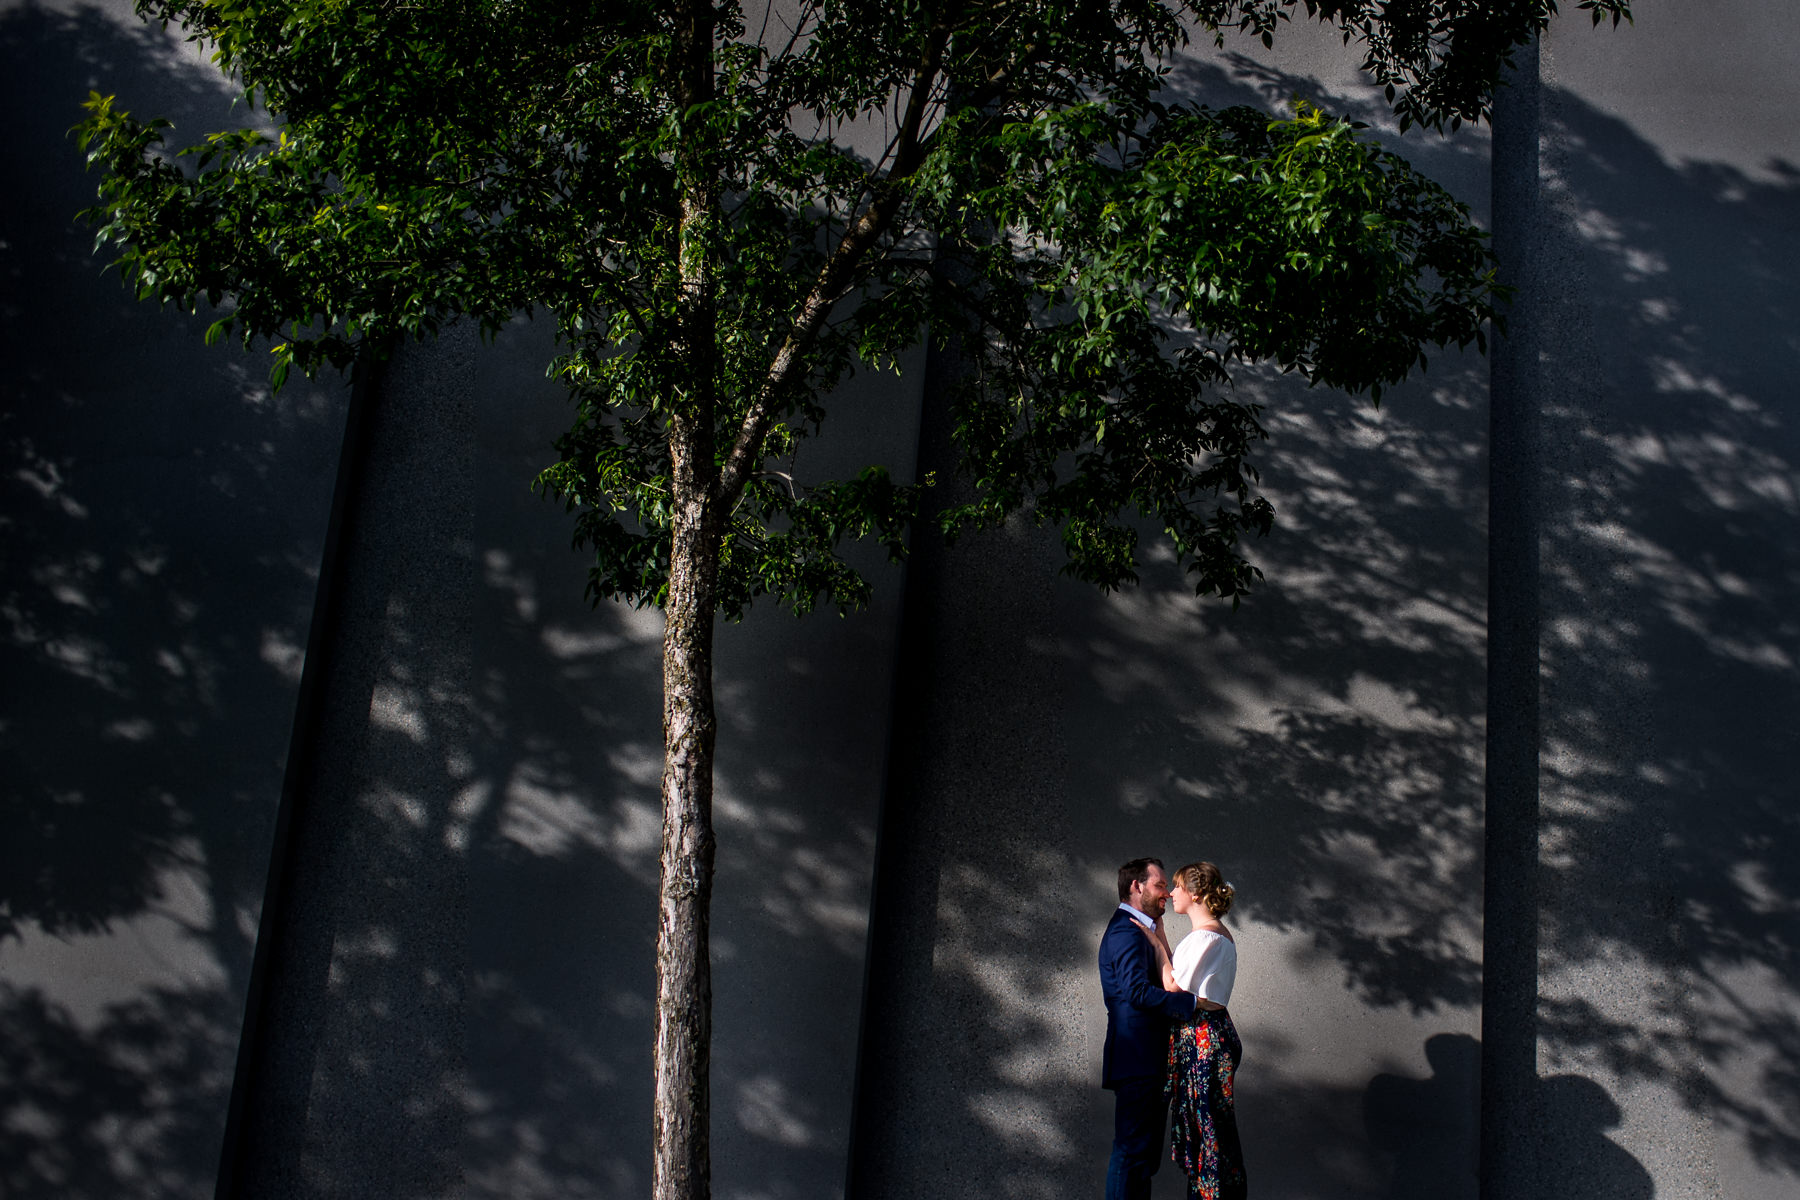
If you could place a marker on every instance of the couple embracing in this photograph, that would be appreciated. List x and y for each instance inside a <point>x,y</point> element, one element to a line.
<point>1171,1049</point>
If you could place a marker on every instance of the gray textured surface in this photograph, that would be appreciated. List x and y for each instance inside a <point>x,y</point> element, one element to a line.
<point>1323,745</point>
<point>1671,993</point>
<point>365,1039</point>
<point>161,516</point>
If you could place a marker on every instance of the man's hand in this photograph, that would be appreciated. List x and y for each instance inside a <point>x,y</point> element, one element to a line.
<point>1162,942</point>
<point>1159,944</point>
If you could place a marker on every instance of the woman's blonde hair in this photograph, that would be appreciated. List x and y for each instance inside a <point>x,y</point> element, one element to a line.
<point>1203,881</point>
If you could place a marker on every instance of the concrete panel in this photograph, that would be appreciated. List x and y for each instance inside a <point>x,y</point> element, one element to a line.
<point>462,995</point>
<point>361,1056</point>
<point>1322,744</point>
<point>161,517</point>
<point>464,1006</point>
<point>1670,991</point>
<point>565,831</point>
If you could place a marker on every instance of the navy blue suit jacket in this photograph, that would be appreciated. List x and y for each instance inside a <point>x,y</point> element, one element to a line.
<point>1138,1011</point>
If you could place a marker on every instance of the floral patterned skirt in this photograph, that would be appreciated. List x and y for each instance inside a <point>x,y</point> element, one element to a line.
<point>1203,1059</point>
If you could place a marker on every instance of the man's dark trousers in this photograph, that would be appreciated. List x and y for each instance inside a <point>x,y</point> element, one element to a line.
<point>1141,1111</point>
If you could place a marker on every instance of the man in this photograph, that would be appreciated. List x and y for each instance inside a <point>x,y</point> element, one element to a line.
<point>1135,1063</point>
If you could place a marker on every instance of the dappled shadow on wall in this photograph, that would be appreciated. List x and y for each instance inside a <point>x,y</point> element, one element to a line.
<point>563,846</point>
<point>113,1105</point>
<point>563,877</point>
<point>563,884</point>
<point>161,516</point>
<point>1672,626</point>
<point>1323,744</point>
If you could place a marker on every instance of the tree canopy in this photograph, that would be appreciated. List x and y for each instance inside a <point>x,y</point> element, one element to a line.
<point>482,158</point>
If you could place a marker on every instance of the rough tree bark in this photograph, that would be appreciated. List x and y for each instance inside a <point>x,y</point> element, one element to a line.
<point>682,1145</point>
<point>683,959</point>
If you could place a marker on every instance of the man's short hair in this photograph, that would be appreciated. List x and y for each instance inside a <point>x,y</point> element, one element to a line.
<point>1135,871</point>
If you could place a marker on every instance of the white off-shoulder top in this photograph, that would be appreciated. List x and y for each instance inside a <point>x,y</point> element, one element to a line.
<point>1205,964</point>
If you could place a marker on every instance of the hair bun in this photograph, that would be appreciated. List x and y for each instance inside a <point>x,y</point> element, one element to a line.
<point>1205,882</point>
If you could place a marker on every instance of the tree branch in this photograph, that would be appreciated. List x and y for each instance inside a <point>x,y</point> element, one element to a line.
<point>835,277</point>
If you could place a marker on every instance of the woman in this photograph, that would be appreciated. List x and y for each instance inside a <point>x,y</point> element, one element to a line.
<point>1204,1054</point>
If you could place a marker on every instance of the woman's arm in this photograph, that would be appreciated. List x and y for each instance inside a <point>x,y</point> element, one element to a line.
<point>1159,942</point>
<point>1136,983</point>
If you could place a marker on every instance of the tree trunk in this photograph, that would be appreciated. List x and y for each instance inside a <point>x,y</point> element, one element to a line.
<point>682,1147</point>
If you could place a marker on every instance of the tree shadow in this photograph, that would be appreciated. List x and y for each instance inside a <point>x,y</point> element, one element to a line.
<point>569,763</point>
<point>1670,643</point>
<point>1324,744</point>
<point>161,515</point>
<point>562,866</point>
<point>110,1109</point>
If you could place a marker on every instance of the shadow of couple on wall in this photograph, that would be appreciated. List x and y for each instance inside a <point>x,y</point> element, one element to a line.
<point>1424,1130</point>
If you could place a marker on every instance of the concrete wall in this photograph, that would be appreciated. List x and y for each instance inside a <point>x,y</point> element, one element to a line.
<point>161,519</point>
<point>1322,744</point>
<point>1670,1014</point>
<point>465,981</point>
<point>466,1001</point>
<point>462,995</point>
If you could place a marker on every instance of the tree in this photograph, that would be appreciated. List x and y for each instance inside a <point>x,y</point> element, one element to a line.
<point>676,183</point>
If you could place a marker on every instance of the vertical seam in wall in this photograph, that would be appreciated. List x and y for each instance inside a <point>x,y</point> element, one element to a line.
<point>905,705</point>
<point>302,758</point>
<point>884,814</point>
<point>1510,832</point>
